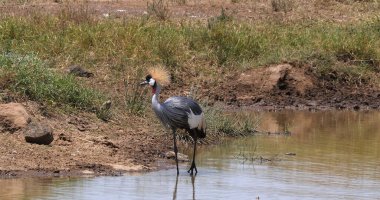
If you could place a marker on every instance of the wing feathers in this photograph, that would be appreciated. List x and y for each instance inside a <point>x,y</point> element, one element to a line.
<point>183,112</point>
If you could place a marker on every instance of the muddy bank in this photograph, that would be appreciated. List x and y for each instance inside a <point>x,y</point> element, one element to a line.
<point>83,145</point>
<point>288,86</point>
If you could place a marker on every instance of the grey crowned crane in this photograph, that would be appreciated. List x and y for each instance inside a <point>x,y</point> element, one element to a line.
<point>176,112</point>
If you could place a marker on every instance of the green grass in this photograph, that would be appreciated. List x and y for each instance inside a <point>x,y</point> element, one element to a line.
<point>135,95</point>
<point>30,77</point>
<point>350,52</point>
<point>226,43</point>
<point>230,124</point>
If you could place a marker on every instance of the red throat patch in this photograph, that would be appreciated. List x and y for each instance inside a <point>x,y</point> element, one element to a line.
<point>153,90</point>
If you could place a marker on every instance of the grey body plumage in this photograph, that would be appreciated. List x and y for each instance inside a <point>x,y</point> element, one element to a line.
<point>179,113</point>
<point>175,111</point>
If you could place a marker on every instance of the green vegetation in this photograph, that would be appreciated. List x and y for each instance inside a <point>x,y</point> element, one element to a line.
<point>135,95</point>
<point>29,76</point>
<point>345,52</point>
<point>120,44</point>
<point>230,124</point>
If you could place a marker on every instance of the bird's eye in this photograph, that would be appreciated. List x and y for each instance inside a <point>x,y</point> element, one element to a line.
<point>148,77</point>
<point>152,82</point>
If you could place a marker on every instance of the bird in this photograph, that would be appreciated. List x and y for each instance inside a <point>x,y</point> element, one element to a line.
<point>177,112</point>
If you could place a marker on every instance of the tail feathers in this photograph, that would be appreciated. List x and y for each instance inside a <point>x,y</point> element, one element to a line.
<point>197,125</point>
<point>201,129</point>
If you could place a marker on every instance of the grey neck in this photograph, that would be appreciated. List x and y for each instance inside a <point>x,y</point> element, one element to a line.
<point>155,98</point>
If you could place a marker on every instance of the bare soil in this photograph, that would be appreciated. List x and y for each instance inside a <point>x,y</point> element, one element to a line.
<point>85,145</point>
<point>289,86</point>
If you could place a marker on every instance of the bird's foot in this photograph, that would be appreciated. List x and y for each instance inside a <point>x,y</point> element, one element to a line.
<point>192,168</point>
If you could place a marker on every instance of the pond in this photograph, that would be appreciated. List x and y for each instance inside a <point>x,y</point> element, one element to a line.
<point>329,155</point>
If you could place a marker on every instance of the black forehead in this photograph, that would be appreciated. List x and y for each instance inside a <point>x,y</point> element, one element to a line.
<point>148,77</point>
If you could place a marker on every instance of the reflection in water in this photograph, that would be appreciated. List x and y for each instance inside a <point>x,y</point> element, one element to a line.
<point>337,157</point>
<point>31,188</point>
<point>176,185</point>
<point>175,188</point>
<point>193,183</point>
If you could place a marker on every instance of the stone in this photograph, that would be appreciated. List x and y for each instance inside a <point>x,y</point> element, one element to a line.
<point>181,157</point>
<point>39,133</point>
<point>79,71</point>
<point>13,116</point>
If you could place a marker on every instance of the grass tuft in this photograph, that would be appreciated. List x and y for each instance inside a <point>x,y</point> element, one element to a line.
<point>158,9</point>
<point>282,5</point>
<point>135,95</point>
<point>231,124</point>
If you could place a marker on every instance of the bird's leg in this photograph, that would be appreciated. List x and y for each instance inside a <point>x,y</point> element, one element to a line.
<point>193,183</point>
<point>193,163</point>
<point>175,188</point>
<point>175,150</point>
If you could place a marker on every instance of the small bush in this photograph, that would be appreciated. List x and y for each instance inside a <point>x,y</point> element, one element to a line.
<point>135,95</point>
<point>76,12</point>
<point>222,18</point>
<point>282,5</point>
<point>231,124</point>
<point>159,9</point>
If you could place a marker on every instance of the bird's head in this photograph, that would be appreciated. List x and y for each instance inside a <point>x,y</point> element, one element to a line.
<point>149,80</point>
<point>157,77</point>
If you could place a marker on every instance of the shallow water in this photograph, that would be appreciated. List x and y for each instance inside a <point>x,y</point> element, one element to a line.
<point>337,157</point>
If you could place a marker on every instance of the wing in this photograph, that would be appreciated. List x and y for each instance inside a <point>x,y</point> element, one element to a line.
<point>183,112</point>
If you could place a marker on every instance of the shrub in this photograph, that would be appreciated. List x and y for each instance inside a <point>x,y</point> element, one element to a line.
<point>282,5</point>
<point>159,9</point>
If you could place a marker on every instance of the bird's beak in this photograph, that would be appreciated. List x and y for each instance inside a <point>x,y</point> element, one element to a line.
<point>144,83</point>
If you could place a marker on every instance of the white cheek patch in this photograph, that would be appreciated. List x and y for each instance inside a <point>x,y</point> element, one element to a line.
<point>195,121</point>
<point>151,82</point>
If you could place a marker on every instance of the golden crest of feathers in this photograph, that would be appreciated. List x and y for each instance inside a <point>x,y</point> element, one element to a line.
<point>160,74</point>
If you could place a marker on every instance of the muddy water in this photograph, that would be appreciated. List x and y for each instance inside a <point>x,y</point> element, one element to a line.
<point>333,155</point>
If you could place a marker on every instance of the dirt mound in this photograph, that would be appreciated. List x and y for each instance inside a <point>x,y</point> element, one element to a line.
<point>282,77</point>
<point>296,87</point>
<point>253,86</point>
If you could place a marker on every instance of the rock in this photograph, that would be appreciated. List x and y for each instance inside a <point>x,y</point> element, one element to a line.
<point>312,103</point>
<point>181,157</point>
<point>38,133</point>
<point>79,71</point>
<point>13,116</point>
